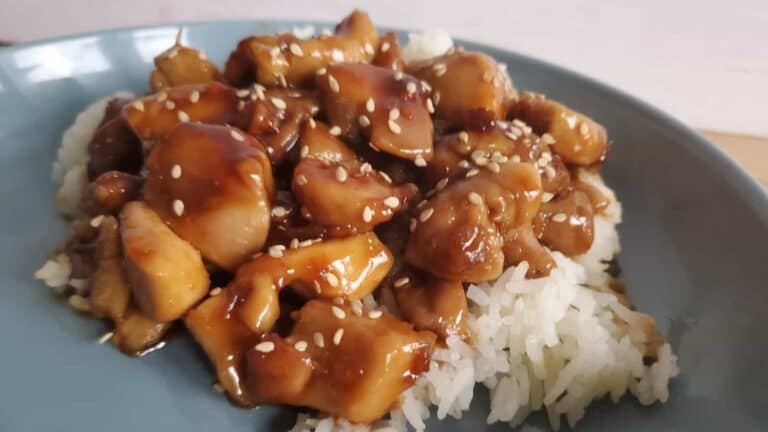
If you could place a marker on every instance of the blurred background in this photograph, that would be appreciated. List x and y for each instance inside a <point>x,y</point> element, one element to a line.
<point>704,62</point>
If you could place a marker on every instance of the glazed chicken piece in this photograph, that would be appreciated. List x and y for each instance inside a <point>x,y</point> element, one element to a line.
<point>350,267</point>
<point>180,65</point>
<point>136,333</point>
<point>337,191</point>
<point>347,365</point>
<point>109,192</point>
<point>467,87</point>
<point>386,107</point>
<point>285,60</point>
<point>469,230</point>
<point>437,305</point>
<point>213,186</point>
<point>275,116</point>
<point>114,146</point>
<point>458,153</point>
<point>577,138</point>
<point>566,223</point>
<point>110,291</point>
<point>390,54</point>
<point>166,274</point>
<point>153,117</point>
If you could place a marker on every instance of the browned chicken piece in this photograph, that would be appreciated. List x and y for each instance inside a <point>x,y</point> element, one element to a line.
<point>599,201</point>
<point>432,304</point>
<point>180,65</point>
<point>109,192</point>
<point>342,193</point>
<point>114,146</point>
<point>566,223</point>
<point>225,340</point>
<point>136,333</point>
<point>386,107</point>
<point>285,59</point>
<point>81,247</point>
<point>458,153</point>
<point>349,267</point>
<point>353,367</point>
<point>213,186</point>
<point>577,138</point>
<point>390,54</point>
<point>467,87</point>
<point>275,117</point>
<point>460,233</point>
<point>110,291</point>
<point>521,244</point>
<point>153,117</point>
<point>166,274</point>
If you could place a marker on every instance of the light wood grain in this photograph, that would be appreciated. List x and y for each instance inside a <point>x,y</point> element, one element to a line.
<point>750,152</point>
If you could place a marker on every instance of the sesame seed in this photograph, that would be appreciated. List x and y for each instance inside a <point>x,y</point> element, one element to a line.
<point>471,173</point>
<point>162,96</point>
<point>183,117</point>
<point>559,217</point>
<point>243,93</point>
<point>170,105</point>
<point>295,49</point>
<point>398,75</point>
<point>321,71</point>
<point>176,171</point>
<point>392,202</point>
<point>341,174</point>
<point>201,55</point>
<point>294,244</point>
<point>511,135</point>
<point>542,162</point>
<point>367,214</point>
<point>316,284</point>
<point>301,346</point>
<point>386,177</point>
<point>394,127</point>
<point>301,179</point>
<point>214,292</point>
<point>410,88</point>
<point>240,105</point>
<point>480,161</point>
<point>425,85</point>
<point>547,197</point>
<point>413,224</point>
<point>549,171</point>
<point>370,105</point>
<point>281,79</point>
<point>138,105</point>
<point>333,84</point>
<point>279,103</point>
<point>304,151</point>
<point>338,312</point>
<point>259,91</point>
<point>332,279</point>
<point>463,164</point>
<point>80,303</point>
<point>265,347</point>
<point>279,211</point>
<point>337,336</point>
<point>319,339</point>
<point>464,137</point>
<point>105,337</point>
<point>421,204</point>
<point>394,114</point>
<point>442,184</point>
<point>178,207</point>
<point>499,158</point>
<point>96,221</point>
<point>218,387</point>
<point>337,56</point>
<point>403,281</point>
<point>384,46</point>
<point>430,106</point>
<point>375,314</point>
<point>420,162</point>
<point>274,51</point>
<point>439,69</point>
<point>236,135</point>
<point>475,198</point>
<point>494,167</point>
<point>547,139</point>
<point>487,76</point>
<point>276,251</point>
<point>312,123</point>
<point>436,97</point>
<point>516,159</point>
<point>363,120</point>
<point>373,146</point>
<point>584,129</point>
<point>357,307</point>
<point>368,48</point>
<point>519,123</point>
<point>335,131</point>
<point>366,168</point>
<point>426,214</point>
<point>194,96</point>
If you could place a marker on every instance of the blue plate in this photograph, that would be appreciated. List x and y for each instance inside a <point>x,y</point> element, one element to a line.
<point>695,241</point>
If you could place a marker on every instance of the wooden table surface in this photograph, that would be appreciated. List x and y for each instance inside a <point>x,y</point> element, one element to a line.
<point>749,151</point>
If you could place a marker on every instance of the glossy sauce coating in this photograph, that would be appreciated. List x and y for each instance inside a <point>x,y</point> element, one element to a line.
<point>114,146</point>
<point>180,65</point>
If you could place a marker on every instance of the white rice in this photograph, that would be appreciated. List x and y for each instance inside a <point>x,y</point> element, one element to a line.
<point>69,169</point>
<point>422,46</point>
<point>55,272</point>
